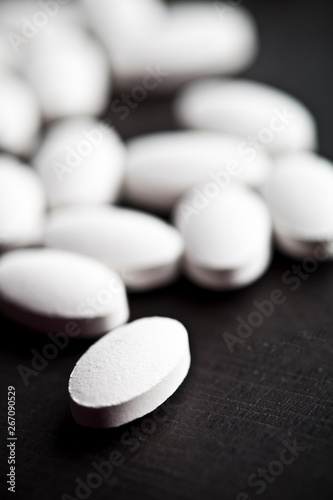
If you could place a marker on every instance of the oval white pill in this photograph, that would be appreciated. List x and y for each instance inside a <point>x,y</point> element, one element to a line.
<point>20,116</point>
<point>267,117</point>
<point>299,194</point>
<point>123,24</point>
<point>49,290</point>
<point>129,372</point>
<point>128,29</point>
<point>22,204</point>
<point>160,47</point>
<point>205,38</point>
<point>161,166</point>
<point>69,71</point>
<point>227,237</point>
<point>81,160</point>
<point>143,249</point>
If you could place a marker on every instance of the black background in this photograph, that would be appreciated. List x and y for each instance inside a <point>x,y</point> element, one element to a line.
<point>233,412</point>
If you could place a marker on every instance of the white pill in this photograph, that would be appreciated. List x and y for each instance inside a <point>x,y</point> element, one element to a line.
<point>268,118</point>
<point>22,204</point>
<point>20,116</point>
<point>123,24</point>
<point>162,166</point>
<point>299,194</point>
<point>182,42</point>
<point>205,38</point>
<point>143,249</point>
<point>69,71</point>
<point>227,236</point>
<point>128,29</point>
<point>129,372</point>
<point>81,160</point>
<point>49,290</point>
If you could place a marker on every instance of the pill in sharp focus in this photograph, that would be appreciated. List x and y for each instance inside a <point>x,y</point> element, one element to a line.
<point>143,249</point>
<point>81,160</point>
<point>161,166</point>
<point>85,82</point>
<point>227,237</point>
<point>299,194</point>
<point>49,290</point>
<point>17,135</point>
<point>22,204</point>
<point>268,118</point>
<point>129,372</point>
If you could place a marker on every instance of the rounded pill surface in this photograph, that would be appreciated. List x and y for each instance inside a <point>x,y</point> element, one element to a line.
<point>266,117</point>
<point>80,161</point>
<point>69,71</point>
<point>51,290</point>
<point>143,249</point>
<point>159,47</point>
<point>299,194</point>
<point>161,166</point>
<point>227,238</point>
<point>128,29</point>
<point>200,40</point>
<point>129,372</point>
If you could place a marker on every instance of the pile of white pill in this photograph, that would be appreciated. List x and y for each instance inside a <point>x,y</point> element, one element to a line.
<point>239,174</point>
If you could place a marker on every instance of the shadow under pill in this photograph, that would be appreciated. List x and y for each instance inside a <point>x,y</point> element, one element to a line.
<point>20,340</point>
<point>73,439</point>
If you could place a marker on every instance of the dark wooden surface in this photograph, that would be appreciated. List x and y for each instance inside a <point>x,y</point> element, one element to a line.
<point>235,412</point>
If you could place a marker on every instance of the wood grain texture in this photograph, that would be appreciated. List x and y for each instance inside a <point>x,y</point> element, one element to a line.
<point>234,411</point>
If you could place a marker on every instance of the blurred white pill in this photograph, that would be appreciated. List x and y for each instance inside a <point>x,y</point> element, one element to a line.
<point>123,24</point>
<point>69,71</point>
<point>22,204</point>
<point>81,160</point>
<point>299,194</point>
<point>20,116</point>
<point>129,372</point>
<point>205,38</point>
<point>45,289</point>
<point>227,236</point>
<point>176,44</point>
<point>163,165</point>
<point>267,117</point>
<point>143,249</point>
<point>128,29</point>
<point>22,21</point>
